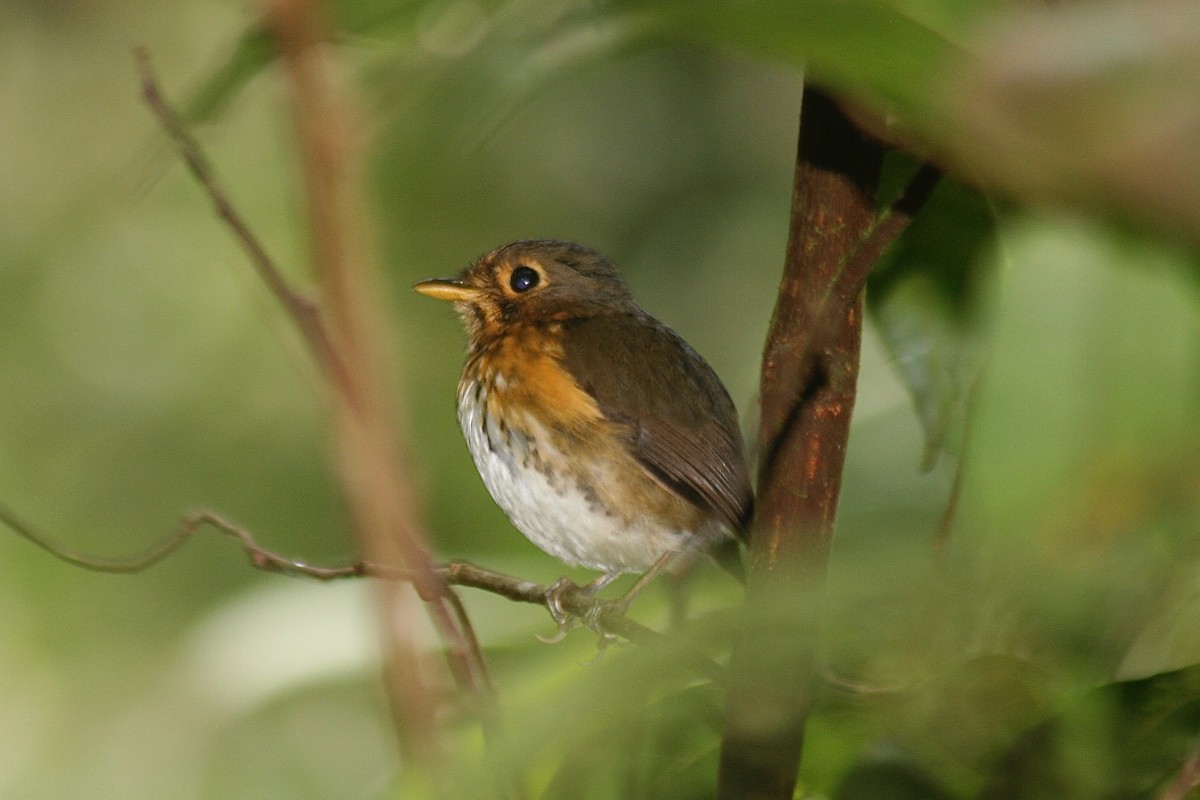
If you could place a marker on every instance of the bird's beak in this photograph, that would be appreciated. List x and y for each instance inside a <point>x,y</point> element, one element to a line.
<point>448,289</point>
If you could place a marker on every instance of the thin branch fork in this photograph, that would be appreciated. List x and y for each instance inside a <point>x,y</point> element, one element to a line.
<point>302,309</point>
<point>843,289</point>
<point>609,617</point>
<point>345,348</point>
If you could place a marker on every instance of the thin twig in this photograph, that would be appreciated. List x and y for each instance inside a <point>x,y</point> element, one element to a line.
<point>301,308</point>
<point>609,617</point>
<point>189,525</point>
<point>882,234</point>
<point>848,282</point>
<point>344,349</point>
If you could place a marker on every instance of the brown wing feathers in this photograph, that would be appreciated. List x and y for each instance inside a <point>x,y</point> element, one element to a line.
<point>689,440</point>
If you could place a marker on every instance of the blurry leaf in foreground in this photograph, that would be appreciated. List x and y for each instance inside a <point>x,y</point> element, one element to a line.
<point>663,746</point>
<point>1170,639</point>
<point>923,298</point>
<point>866,47</point>
<point>255,50</point>
<point>1000,722</point>
<point>1095,104</point>
<point>974,713</point>
<point>472,67</point>
<point>888,776</point>
<point>929,736</point>
<point>1121,740</point>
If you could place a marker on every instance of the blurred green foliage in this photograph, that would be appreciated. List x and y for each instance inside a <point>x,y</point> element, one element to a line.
<point>1047,341</point>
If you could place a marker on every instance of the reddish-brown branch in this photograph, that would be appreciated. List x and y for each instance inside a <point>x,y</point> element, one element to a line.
<point>606,616</point>
<point>372,470</point>
<point>810,367</point>
<point>810,363</point>
<point>189,526</point>
<point>345,345</point>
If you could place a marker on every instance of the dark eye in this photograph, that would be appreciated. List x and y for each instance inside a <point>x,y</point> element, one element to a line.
<point>523,279</point>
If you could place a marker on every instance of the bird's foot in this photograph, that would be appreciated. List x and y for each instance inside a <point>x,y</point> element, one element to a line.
<point>558,598</point>
<point>566,621</point>
<point>593,620</point>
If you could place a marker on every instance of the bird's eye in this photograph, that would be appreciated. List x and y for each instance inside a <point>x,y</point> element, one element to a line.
<point>523,279</point>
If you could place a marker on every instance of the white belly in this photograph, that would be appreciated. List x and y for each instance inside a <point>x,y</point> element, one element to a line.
<point>552,511</point>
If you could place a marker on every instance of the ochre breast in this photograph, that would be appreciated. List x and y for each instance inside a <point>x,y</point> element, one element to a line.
<point>525,375</point>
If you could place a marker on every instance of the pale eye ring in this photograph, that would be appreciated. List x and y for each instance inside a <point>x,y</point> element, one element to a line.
<point>523,279</point>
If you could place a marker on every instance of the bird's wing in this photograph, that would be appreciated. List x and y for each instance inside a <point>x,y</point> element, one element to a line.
<point>683,426</point>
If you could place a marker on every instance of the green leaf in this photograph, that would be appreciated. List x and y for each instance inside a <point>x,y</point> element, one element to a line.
<point>888,776</point>
<point>1124,739</point>
<point>255,50</point>
<point>923,299</point>
<point>859,45</point>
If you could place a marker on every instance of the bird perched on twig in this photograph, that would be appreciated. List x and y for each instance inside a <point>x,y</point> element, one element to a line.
<point>606,439</point>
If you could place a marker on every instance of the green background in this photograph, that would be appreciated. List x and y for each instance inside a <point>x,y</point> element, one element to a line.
<point>144,372</point>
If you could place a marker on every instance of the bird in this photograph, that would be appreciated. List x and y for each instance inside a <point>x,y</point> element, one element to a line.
<point>602,435</point>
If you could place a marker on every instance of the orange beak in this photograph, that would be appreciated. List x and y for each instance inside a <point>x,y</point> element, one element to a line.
<point>449,289</point>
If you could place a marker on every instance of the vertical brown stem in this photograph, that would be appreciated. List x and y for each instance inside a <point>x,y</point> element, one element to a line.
<point>372,468</point>
<point>809,372</point>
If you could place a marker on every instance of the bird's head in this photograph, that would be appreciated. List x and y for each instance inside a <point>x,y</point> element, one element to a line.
<point>532,281</point>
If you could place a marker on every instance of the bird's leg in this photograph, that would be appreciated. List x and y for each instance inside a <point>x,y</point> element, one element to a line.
<point>593,588</point>
<point>554,603</point>
<point>648,576</point>
<point>592,618</point>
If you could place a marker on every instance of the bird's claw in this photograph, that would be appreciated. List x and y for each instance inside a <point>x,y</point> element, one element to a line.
<point>593,620</point>
<point>554,600</point>
<point>559,635</point>
<point>569,621</point>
